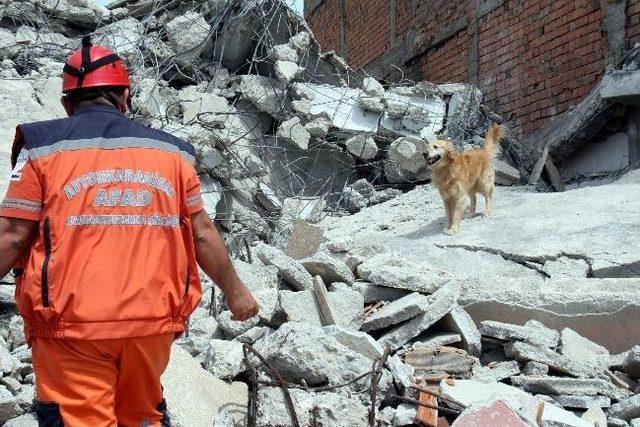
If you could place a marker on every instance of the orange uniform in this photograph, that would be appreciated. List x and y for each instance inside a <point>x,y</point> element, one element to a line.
<point>114,258</point>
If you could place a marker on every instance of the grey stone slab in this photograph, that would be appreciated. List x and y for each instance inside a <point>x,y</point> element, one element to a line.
<point>224,359</point>
<point>534,333</point>
<point>435,340</point>
<point>441,303</point>
<point>396,312</point>
<point>496,371</point>
<point>621,86</point>
<point>627,409</point>
<point>535,369</point>
<point>359,342</point>
<point>459,321</point>
<point>194,396</point>
<point>346,306</point>
<point>291,270</point>
<point>331,269</point>
<point>524,352</point>
<point>581,402</point>
<point>569,386</point>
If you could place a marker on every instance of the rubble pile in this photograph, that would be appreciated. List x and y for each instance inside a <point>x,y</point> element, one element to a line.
<point>367,318</point>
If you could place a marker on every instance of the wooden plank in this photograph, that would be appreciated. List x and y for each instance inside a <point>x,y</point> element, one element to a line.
<point>320,291</point>
<point>427,416</point>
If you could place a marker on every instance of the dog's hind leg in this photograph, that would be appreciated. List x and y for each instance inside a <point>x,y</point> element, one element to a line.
<point>488,197</point>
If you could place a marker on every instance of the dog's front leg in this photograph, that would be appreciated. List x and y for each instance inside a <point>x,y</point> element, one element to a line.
<point>449,207</point>
<point>456,211</point>
<point>472,203</point>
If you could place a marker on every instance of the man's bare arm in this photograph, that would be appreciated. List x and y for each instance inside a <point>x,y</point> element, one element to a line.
<point>15,238</point>
<point>214,260</point>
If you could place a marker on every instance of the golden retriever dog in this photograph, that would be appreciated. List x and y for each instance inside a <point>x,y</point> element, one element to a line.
<point>458,175</point>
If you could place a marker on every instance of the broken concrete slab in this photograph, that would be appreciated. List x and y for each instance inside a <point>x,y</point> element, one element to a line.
<point>405,415</point>
<point>534,333</point>
<point>405,161</point>
<point>595,416</point>
<point>524,352</point>
<point>599,158</point>
<point>459,321</point>
<point>435,340</point>
<point>187,35</point>
<point>505,173</point>
<point>346,307</point>
<point>332,408</point>
<point>402,372</point>
<point>194,396</point>
<point>631,363</point>
<point>394,271</point>
<point>329,268</point>
<point>577,347</point>
<point>304,240</point>
<point>532,368</point>
<point>287,71</point>
<point>621,86</point>
<point>396,312</point>
<point>570,386</point>
<point>627,409</point>
<point>267,95</point>
<point>581,402</point>
<point>441,303</point>
<point>301,351</point>
<point>359,342</point>
<point>233,328</point>
<point>496,371</point>
<point>291,270</point>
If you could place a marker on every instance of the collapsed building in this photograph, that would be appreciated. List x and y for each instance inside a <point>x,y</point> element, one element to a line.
<point>314,174</point>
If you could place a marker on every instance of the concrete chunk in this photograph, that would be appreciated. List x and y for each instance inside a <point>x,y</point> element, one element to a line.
<point>524,352</point>
<point>225,359</point>
<point>621,86</point>
<point>577,347</point>
<point>9,407</point>
<point>361,146</point>
<point>569,386</point>
<point>356,341</point>
<point>7,361</point>
<point>26,420</point>
<point>581,402</point>
<point>441,303</point>
<point>329,268</point>
<point>187,34</point>
<point>393,271</point>
<point>435,340</point>
<point>194,396</point>
<point>626,409</point>
<point>346,307</point>
<point>291,270</point>
<point>535,369</point>
<point>496,371</point>
<point>596,416</point>
<point>294,133</point>
<point>534,333</point>
<point>459,321</point>
<point>286,71</point>
<point>397,311</point>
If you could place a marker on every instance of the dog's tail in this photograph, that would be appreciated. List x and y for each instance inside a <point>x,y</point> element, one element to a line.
<point>492,140</point>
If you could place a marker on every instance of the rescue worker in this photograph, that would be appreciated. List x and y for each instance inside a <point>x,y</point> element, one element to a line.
<point>104,227</point>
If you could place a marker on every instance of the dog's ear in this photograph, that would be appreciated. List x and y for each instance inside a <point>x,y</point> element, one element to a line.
<point>449,148</point>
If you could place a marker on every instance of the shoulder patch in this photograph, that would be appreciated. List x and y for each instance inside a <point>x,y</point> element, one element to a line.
<point>23,157</point>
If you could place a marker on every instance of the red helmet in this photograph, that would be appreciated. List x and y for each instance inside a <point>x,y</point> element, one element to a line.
<point>94,66</point>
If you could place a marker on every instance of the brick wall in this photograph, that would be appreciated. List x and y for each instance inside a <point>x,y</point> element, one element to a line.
<point>533,59</point>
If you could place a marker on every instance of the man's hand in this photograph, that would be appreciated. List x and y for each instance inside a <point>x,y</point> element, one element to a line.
<point>214,260</point>
<point>242,304</point>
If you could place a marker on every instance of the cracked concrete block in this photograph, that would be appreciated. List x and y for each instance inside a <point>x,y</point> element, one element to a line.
<point>346,306</point>
<point>362,147</point>
<point>570,386</point>
<point>333,409</point>
<point>532,368</point>
<point>496,371</point>
<point>266,94</point>
<point>595,416</point>
<point>304,240</point>
<point>524,352</point>
<point>581,402</point>
<point>295,133</point>
<point>26,420</point>
<point>300,41</point>
<point>318,127</point>
<point>459,321</point>
<point>405,160</point>
<point>284,52</point>
<point>435,340</point>
<point>359,342</point>
<point>187,35</point>
<point>287,71</point>
<point>225,359</point>
<point>372,87</point>
<point>206,107</point>
<point>393,271</point>
<point>405,415</point>
<point>402,372</point>
<point>396,312</point>
<point>577,347</point>
<point>331,269</point>
<point>371,103</point>
<point>8,362</point>
<point>626,409</point>
<point>566,267</point>
<point>254,334</point>
<point>441,303</point>
<point>233,328</point>
<point>291,270</point>
<point>534,333</point>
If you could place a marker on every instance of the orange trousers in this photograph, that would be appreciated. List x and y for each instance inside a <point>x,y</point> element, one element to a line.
<point>99,383</point>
